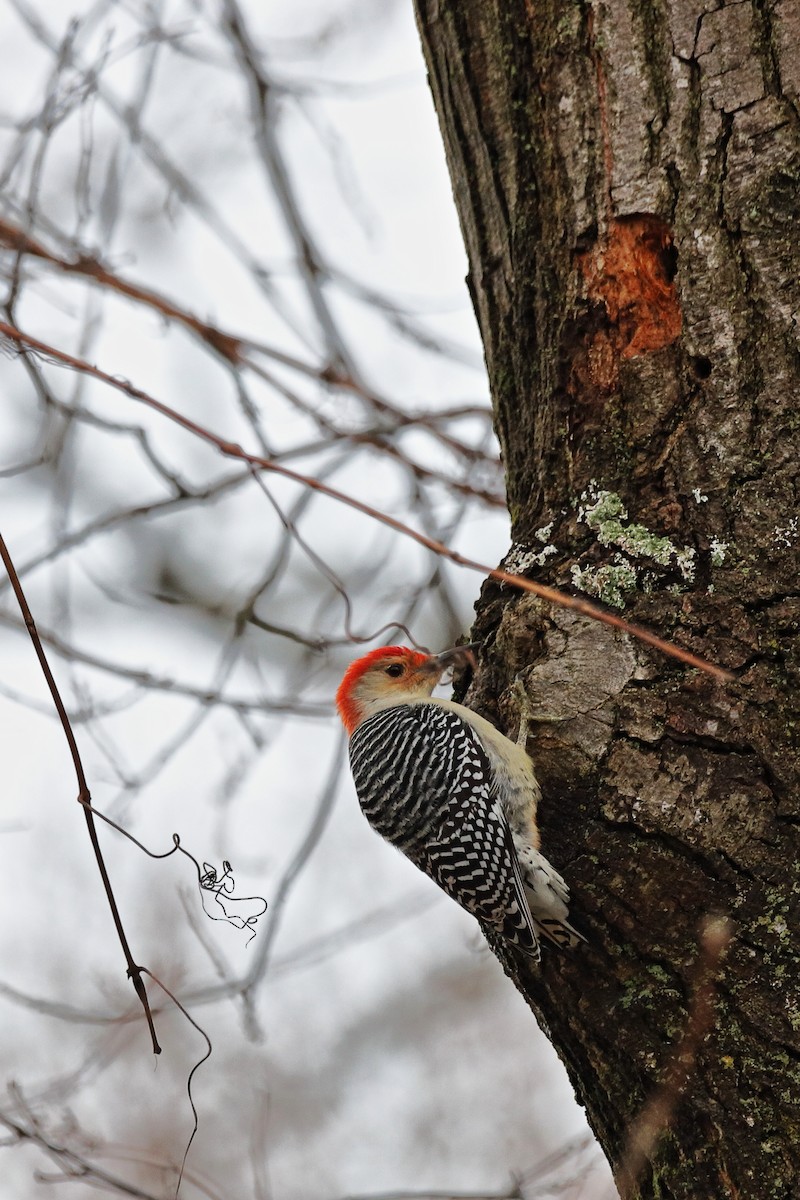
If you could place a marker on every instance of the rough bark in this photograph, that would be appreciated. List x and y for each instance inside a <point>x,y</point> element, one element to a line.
<point>627,176</point>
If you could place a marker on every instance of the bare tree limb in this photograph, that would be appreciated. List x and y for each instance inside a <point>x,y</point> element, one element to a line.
<point>656,1115</point>
<point>84,796</point>
<point>233,450</point>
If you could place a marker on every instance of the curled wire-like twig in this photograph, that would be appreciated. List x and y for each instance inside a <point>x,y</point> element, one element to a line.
<point>194,1069</point>
<point>220,885</point>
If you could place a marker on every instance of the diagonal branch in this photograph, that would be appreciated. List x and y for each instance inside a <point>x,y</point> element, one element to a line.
<point>656,1114</point>
<point>237,352</point>
<point>84,796</point>
<point>233,450</point>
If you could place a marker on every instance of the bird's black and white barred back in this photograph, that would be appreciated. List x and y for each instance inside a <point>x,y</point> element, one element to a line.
<point>451,791</point>
<point>425,783</point>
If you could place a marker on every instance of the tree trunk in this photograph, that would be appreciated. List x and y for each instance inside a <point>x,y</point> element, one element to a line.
<point>627,176</point>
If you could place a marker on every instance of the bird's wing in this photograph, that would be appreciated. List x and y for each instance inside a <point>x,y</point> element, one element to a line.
<point>426,784</point>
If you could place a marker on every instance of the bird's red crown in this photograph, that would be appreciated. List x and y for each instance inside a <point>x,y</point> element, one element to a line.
<point>346,701</point>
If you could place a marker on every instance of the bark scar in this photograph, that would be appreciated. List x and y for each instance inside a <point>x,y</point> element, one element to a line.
<point>629,275</point>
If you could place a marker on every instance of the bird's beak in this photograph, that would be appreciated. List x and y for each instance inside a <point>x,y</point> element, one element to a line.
<point>458,656</point>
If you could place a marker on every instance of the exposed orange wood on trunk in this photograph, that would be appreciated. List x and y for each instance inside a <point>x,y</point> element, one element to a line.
<point>630,273</point>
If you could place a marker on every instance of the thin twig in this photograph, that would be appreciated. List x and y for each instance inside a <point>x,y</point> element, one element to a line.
<point>192,1073</point>
<point>237,351</point>
<point>309,259</point>
<point>84,796</point>
<point>233,450</point>
<point>657,1113</point>
<point>74,1166</point>
<point>319,819</point>
<point>221,886</point>
<point>162,683</point>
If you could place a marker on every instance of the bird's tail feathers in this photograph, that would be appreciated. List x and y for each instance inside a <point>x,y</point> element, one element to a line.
<point>548,897</point>
<point>560,933</point>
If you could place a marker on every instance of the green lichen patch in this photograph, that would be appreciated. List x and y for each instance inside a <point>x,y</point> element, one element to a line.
<point>718,552</point>
<point>605,514</point>
<point>611,583</point>
<point>642,557</point>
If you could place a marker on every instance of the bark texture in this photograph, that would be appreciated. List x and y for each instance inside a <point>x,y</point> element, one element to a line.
<point>627,175</point>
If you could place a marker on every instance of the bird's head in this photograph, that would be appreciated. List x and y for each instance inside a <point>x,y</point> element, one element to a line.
<point>391,675</point>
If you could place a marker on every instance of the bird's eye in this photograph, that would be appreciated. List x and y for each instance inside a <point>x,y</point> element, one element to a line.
<point>395,670</point>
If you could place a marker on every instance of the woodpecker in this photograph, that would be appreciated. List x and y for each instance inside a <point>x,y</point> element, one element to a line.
<point>453,793</point>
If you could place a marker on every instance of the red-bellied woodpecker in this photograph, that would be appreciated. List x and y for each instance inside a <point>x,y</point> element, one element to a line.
<point>455,795</point>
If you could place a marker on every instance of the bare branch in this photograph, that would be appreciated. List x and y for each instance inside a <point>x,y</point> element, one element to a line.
<point>205,696</point>
<point>232,450</point>
<point>657,1114</point>
<point>84,796</point>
